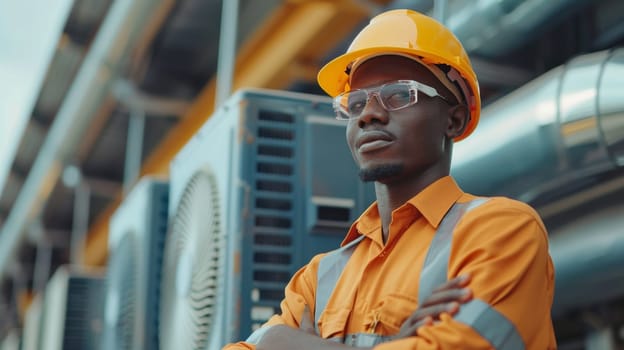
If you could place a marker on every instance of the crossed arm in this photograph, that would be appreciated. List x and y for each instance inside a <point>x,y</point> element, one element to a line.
<point>446,299</point>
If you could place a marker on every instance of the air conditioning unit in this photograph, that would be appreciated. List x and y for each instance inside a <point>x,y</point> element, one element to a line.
<point>32,324</point>
<point>264,185</point>
<point>136,238</point>
<point>72,312</point>
<point>11,341</point>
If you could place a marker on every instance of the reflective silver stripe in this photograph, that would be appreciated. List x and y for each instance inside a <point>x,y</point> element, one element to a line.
<point>337,339</point>
<point>329,270</point>
<point>491,324</point>
<point>435,267</point>
<point>255,337</point>
<point>365,339</point>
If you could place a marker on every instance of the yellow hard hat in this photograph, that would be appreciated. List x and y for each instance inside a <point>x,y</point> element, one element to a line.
<point>407,32</point>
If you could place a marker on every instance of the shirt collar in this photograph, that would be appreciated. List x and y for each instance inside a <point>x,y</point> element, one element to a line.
<point>433,203</point>
<point>436,199</point>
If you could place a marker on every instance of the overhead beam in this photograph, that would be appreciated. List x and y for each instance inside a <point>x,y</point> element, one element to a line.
<point>132,98</point>
<point>297,34</point>
<point>500,75</point>
<point>123,26</point>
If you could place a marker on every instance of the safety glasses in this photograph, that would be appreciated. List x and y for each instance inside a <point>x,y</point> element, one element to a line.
<point>391,96</point>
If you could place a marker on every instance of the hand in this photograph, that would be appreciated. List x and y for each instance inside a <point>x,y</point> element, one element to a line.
<point>444,299</point>
<point>282,337</point>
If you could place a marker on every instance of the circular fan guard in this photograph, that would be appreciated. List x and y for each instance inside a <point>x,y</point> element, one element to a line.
<point>191,269</point>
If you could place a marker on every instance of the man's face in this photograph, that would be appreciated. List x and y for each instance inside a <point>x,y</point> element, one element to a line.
<point>404,144</point>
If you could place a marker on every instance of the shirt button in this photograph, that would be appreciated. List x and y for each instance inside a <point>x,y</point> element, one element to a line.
<point>383,254</point>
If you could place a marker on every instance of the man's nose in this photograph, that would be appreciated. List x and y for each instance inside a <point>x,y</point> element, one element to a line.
<point>373,112</point>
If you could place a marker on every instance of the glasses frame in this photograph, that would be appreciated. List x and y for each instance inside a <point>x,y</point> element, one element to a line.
<point>413,85</point>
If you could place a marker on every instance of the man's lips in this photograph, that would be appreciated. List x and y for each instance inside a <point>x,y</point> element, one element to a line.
<point>373,140</point>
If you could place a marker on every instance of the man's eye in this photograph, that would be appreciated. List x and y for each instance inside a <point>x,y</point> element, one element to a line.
<point>398,98</point>
<point>357,106</point>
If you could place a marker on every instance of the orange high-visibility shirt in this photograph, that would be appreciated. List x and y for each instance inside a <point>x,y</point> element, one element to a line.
<point>502,244</point>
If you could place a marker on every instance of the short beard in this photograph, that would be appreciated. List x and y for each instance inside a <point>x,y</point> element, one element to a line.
<point>380,172</point>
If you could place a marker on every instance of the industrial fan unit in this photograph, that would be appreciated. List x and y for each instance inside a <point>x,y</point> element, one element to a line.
<point>136,239</point>
<point>32,324</point>
<point>72,309</point>
<point>11,341</point>
<point>265,184</point>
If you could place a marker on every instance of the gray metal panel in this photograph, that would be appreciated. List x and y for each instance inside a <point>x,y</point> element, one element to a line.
<point>334,193</point>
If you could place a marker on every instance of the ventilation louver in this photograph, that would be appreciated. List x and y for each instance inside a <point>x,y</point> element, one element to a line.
<point>274,201</point>
<point>72,312</point>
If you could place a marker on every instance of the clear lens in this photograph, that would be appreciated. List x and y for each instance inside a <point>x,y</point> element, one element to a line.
<point>356,102</point>
<point>396,96</point>
<point>392,97</point>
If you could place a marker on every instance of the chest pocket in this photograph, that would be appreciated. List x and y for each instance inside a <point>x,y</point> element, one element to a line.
<point>394,310</point>
<point>332,323</point>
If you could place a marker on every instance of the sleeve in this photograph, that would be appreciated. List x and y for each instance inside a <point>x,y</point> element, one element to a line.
<point>503,245</point>
<point>299,292</point>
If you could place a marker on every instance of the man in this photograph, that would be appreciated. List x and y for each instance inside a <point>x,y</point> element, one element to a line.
<point>408,92</point>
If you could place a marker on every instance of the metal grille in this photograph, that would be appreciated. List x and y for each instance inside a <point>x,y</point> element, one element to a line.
<point>156,260</point>
<point>82,313</point>
<point>273,212</point>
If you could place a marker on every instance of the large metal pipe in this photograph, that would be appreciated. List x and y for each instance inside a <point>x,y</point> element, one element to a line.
<point>494,27</point>
<point>491,28</point>
<point>558,129</point>
<point>553,133</point>
<point>120,32</point>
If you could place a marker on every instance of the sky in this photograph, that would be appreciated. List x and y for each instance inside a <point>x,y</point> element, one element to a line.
<point>29,33</point>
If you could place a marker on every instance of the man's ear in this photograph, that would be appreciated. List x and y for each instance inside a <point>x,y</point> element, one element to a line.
<point>457,120</point>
